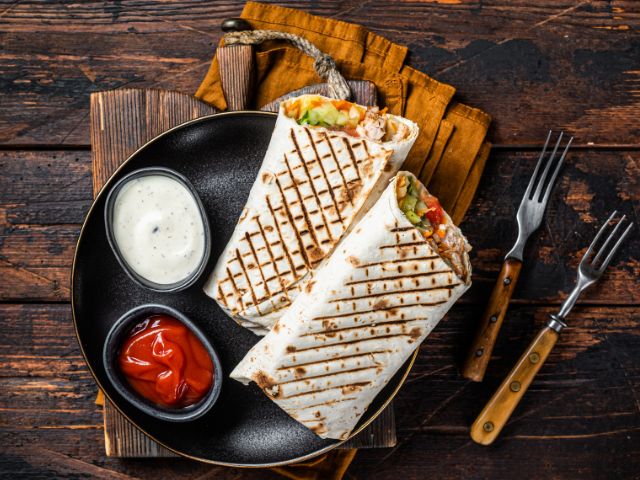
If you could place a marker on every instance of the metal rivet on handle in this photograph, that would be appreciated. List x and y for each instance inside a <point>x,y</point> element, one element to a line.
<point>515,386</point>
<point>479,352</point>
<point>493,318</point>
<point>507,281</point>
<point>488,427</point>
<point>534,357</point>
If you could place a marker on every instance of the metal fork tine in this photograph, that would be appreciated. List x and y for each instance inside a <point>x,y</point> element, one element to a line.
<point>535,172</point>
<point>602,250</point>
<point>622,238</point>
<point>555,172</point>
<point>597,237</point>
<point>543,177</point>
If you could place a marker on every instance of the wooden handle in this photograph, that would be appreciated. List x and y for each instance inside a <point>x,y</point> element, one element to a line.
<point>236,67</point>
<point>480,352</point>
<point>496,413</point>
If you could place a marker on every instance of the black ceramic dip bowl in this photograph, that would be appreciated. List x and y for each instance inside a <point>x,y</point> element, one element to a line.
<point>110,206</point>
<point>114,342</point>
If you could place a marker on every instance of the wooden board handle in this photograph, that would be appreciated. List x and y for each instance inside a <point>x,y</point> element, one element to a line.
<point>496,413</point>
<point>480,352</point>
<point>236,67</point>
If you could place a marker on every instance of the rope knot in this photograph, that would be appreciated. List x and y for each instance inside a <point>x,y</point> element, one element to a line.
<point>323,65</point>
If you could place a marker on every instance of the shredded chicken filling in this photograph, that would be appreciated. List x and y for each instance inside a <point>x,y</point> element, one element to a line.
<point>355,120</point>
<point>424,211</point>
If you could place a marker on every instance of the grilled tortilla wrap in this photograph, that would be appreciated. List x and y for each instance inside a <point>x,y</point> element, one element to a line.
<point>368,308</point>
<point>319,175</point>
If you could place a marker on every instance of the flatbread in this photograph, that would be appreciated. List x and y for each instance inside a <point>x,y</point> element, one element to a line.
<point>368,308</point>
<point>313,185</point>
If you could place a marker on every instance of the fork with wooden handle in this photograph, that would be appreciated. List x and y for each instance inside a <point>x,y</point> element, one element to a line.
<point>529,218</point>
<point>495,414</point>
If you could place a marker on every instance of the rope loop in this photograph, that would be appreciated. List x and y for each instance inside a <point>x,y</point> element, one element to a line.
<point>324,65</point>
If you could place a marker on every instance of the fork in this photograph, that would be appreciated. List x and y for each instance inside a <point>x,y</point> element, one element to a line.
<point>529,218</point>
<point>495,414</point>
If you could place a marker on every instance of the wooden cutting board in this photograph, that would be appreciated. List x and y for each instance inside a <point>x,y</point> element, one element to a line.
<point>121,121</point>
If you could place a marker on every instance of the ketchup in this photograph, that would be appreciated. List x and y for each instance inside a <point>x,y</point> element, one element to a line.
<point>166,363</point>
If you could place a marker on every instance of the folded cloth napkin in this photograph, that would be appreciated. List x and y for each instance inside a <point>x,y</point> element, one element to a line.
<point>450,152</point>
<point>448,156</point>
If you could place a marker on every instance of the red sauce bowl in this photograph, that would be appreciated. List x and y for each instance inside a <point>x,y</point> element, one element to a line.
<point>129,337</point>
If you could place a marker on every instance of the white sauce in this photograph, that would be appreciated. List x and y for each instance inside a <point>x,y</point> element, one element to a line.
<point>158,228</point>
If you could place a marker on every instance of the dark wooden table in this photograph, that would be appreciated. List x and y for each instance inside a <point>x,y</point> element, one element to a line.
<point>572,65</point>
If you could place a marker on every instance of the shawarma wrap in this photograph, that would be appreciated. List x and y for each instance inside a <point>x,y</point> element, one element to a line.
<point>328,161</point>
<point>382,291</point>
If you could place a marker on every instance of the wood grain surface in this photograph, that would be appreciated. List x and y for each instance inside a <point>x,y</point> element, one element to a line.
<point>126,119</point>
<point>570,64</point>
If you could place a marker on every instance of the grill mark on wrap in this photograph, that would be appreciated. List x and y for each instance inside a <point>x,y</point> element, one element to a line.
<point>381,323</point>
<point>303,252</point>
<point>331,317</point>
<point>326,179</point>
<point>313,392</point>
<point>338,167</point>
<point>397,260</point>
<point>283,283</point>
<point>317,420</point>
<point>328,403</point>
<point>396,292</point>
<point>235,288</point>
<point>322,362</point>
<point>305,214</point>
<point>222,297</point>
<point>315,377</point>
<point>316,177</point>
<point>235,297</point>
<point>268,279</point>
<point>397,277</point>
<point>353,342</point>
<point>246,274</point>
<point>401,245</point>
<point>352,157</point>
<point>366,149</point>
<point>312,228</point>
<point>271,295</point>
<point>281,240</point>
<point>255,256</point>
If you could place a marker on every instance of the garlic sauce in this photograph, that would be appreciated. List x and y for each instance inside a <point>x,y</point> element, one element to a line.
<point>158,228</point>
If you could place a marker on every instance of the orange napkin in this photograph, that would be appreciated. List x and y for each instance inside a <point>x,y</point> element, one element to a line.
<point>450,152</point>
<point>448,156</point>
<point>330,466</point>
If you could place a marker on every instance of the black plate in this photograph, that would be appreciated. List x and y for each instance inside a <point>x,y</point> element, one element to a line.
<point>220,155</point>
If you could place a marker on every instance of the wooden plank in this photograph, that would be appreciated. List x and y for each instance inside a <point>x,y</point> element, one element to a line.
<point>585,400</point>
<point>526,64</point>
<point>41,191</point>
<point>44,187</point>
<point>124,120</point>
<point>124,440</point>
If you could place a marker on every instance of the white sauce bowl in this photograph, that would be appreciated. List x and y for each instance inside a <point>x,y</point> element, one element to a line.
<point>119,240</point>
